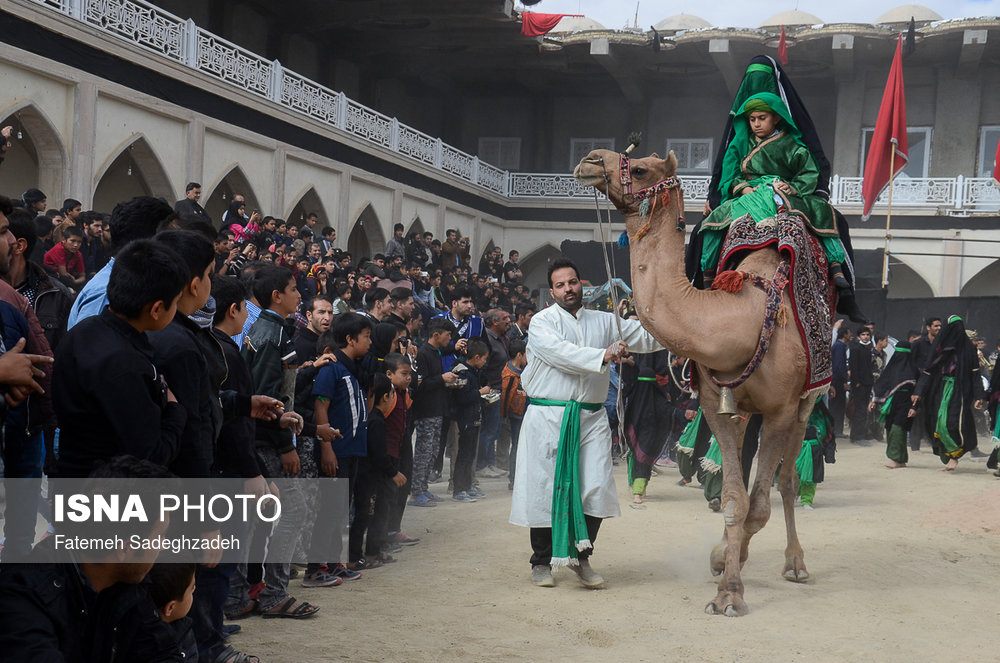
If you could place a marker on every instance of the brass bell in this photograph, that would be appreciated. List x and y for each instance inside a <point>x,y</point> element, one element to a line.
<point>727,401</point>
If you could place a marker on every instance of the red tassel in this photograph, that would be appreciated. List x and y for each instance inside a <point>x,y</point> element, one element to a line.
<point>731,281</point>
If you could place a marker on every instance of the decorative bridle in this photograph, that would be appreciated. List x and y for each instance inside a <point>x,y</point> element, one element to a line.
<point>647,197</point>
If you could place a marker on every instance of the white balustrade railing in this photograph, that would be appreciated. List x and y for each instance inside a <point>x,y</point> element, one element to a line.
<point>160,32</point>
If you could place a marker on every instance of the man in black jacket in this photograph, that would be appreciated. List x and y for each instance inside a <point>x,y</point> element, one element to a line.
<point>188,206</point>
<point>109,396</point>
<point>430,403</point>
<point>862,369</point>
<point>922,357</point>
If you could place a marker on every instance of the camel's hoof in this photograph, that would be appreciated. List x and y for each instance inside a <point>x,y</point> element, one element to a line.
<point>795,572</point>
<point>729,604</point>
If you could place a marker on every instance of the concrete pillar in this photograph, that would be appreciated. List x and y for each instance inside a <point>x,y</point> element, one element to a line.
<point>81,171</point>
<point>955,138</point>
<point>846,155</point>
<point>194,168</point>
<point>278,201</point>
<point>951,266</point>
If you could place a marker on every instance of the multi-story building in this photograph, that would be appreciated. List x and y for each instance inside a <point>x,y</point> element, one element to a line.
<point>443,115</point>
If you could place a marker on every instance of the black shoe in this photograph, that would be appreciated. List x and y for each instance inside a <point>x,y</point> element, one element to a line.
<point>976,453</point>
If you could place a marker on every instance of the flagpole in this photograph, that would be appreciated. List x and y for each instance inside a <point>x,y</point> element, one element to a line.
<point>888,217</point>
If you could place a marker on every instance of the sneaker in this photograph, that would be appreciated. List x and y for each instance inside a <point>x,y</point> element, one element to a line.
<point>588,577</point>
<point>432,497</point>
<point>321,577</point>
<point>421,500</point>
<point>541,575</point>
<point>345,573</point>
<point>808,507</point>
<point>715,504</point>
<point>684,482</point>
<point>497,472</point>
<point>475,492</point>
<point>404,540</point>
<point>463,497</point>
<point>485,473</point>
<point>391,548</point>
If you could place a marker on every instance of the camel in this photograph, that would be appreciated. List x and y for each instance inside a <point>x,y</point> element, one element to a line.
<point>719,331</point>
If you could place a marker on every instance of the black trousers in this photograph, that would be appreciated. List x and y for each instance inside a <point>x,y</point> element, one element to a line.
<point>838,406</point>
<point>861,394</point>
<point>399,497</point>
<point>541,541</point>
<point>468,439</point>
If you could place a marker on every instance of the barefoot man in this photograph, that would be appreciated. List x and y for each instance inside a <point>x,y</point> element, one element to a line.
<point>563,485</point>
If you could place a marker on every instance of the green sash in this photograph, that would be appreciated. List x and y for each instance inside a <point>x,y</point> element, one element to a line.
<point>951,448</point>
<point>569,527</point>
<point>711,462</point>
<point>886,409</point>
<point>685,445</point>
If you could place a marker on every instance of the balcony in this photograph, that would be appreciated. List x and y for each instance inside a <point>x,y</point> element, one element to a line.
<point>166,35</point>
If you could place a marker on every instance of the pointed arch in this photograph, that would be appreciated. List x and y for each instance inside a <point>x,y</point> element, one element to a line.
<point>133,169</point>
<point>366,237</point>
<point>416,225</point>
<point>39,158</point>
<point>986,283</point>
<point>905,282</point>
<point>478,263</point>
<point>535,264</point>
<point>217,197</point>
<point>306,202</point>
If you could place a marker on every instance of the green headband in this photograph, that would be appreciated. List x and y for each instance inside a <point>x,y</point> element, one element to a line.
<point>756,105</point>
<point>902,349</point>
<point>954,318</point>
<point>760,67</point>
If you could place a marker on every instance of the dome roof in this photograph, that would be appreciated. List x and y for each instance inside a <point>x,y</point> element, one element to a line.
<point>903,13</point>
<point>792,17</point>
<point>681,22</point>
<point>579,24</point>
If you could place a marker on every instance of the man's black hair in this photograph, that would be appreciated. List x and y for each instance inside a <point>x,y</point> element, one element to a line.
<point>341,288</point>
<point>524,309</point>
<point>7,206</point>
<point>911,333</point>
<point>397,226</point>
<point>428,232</point>
<point>145,272</point>
<point>862,329</point>
<point>191,185</point>
<point>249,273</point>
<point>227,290</point>
<point>400,294</point>
<point>71,231</point>
<point>374,295</point>
<point>381,387</point>
<point>348,325</point>
<point>326,231</point>
<point>52,213</point>
<point>931,321</point>
<point>196,251</point>
<point>561,263</point>
<point>436,243</point>
<point>512,253</point>
<point>169,582</point>
<point>69,205</point>
<point>224,235</point>
<point>843,332</point>
<point>879,335</point>
<point>393,361</point>
<point>138,218</point>
<point>477,347</point>
<point>378,256</point>
<point>89,216</point>
<point>439,325</point>
<point>517,346</point>
<point>459,292</point>
<point>268,279</point>
<point>319,298</point>
<point>43,225</point>
<point>22,226</point>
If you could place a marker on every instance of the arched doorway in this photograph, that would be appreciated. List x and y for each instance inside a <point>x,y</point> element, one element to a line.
<point>415,226</point>
<point>217,199</point>
<point>905,282</point>
<point>308,203</point>
<point>366,238</point>
<point>36,158</point>
<point>535,265</point>
<point>134,170</point>
<point>984,284</point>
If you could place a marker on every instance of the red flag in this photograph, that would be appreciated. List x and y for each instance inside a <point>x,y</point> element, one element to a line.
<point>782,48</point>
<point>996,166</point>
<point>889,136</point>
<point>536,25</point>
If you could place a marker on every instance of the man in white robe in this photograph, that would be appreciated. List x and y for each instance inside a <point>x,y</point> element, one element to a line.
<point>569,350</point>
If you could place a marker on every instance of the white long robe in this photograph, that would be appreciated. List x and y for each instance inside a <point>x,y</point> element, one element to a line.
<point>566,362</point>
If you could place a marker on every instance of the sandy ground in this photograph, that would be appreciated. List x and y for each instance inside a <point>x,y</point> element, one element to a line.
<point>903,563</point>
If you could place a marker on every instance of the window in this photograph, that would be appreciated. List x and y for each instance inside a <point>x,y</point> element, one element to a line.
<point>694,155</point>
<point>504,153</point>
<point>988,139</point>
<point>581,147</point>
<point>919,144</point>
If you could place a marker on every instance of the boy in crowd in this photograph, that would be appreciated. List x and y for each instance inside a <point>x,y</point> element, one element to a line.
<point>399,433</point>
<point>430,403</point>
<point>377,479</point>
<point>270,355</point>
<point>171,588</point>
<point>65,259</point>
<point>109,396</point>
<point>342,404</point>
<point>513,400</point>
<point>468,415</point>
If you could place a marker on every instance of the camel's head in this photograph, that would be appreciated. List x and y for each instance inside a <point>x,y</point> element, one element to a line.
<point>605,170</point>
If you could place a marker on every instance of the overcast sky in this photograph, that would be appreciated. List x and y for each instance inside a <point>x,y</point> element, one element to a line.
<point>727,13</point>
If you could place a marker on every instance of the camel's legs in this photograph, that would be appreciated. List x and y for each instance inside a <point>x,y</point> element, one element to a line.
<point>788,484</point>
<point>735,503</point>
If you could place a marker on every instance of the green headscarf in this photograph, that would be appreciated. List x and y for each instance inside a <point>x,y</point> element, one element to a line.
<point>738,147</point>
